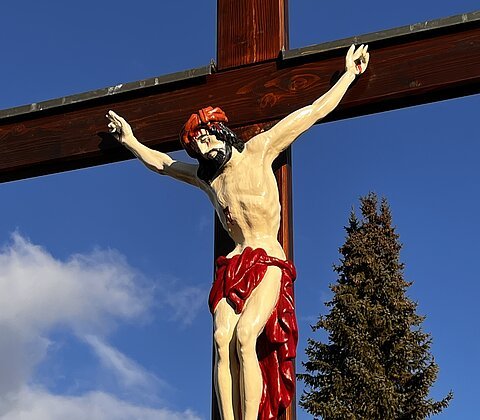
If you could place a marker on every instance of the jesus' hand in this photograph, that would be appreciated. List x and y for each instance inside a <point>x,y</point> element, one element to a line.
<point>119,127</point>
<point>357,59</point>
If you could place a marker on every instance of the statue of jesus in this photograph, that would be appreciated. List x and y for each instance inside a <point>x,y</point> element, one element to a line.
<point>251,300</point>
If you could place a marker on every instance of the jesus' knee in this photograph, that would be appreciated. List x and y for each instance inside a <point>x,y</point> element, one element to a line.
<point>246,341</point>
<point>222,339</point>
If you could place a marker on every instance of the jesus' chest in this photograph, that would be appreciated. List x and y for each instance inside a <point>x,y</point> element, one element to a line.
<point>245,188</point>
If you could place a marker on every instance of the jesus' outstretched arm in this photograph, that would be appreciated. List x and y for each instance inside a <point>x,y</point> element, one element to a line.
<point>152,159</point>
<point>283,134</point>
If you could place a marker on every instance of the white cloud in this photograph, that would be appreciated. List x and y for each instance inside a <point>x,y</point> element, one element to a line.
<point>38,405</point>
<point>85,292</point>
<point>185,303</point>
<point>88,295</point>
<point>127,372</point>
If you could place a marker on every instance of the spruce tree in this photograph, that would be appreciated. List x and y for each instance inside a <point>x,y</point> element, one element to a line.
<point>377,363</point>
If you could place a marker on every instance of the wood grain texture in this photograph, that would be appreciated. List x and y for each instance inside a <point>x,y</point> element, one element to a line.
<point>283,173</point>
<point>402,73</point>
<point>252,31</point>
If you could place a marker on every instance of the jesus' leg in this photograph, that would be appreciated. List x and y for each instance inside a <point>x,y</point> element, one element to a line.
<point>256,312</point>
<point>226,372</point>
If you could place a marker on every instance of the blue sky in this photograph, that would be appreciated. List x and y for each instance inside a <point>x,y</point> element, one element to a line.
<point>99,310</point>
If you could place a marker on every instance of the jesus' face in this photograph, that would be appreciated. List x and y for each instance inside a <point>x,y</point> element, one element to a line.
<point>214,153</point>
<point>209,146</point>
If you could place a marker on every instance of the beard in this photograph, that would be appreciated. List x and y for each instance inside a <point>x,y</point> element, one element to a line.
<point>210,167</point>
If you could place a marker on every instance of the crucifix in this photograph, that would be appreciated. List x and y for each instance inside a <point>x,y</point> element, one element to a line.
<point>257,81</point>
<point>255,330</point>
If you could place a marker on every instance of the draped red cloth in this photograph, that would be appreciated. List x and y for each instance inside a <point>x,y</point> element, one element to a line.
<point>235,280</point>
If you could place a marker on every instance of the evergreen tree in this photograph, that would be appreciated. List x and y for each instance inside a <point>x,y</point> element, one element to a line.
<point>377,364</point>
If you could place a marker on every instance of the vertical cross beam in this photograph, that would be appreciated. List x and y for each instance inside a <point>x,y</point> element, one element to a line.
<point>250,31</point>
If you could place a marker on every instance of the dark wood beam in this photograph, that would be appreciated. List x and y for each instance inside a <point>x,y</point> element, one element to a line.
<point>249,32</point>
<point>418,66</point>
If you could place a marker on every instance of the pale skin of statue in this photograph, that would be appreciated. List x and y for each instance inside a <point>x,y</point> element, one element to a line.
<point>248,189</point>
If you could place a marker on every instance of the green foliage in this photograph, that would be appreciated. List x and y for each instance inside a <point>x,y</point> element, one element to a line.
<point>377,363</point>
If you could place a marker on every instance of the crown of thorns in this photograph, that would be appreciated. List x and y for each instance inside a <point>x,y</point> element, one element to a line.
<point>203,119</point>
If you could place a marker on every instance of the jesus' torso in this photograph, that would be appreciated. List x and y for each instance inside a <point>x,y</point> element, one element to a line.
<point>246,199</point>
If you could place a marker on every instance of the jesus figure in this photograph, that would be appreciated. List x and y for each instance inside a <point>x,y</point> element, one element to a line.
<point>255,330</point>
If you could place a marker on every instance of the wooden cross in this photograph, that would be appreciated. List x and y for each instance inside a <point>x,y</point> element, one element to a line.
<point>257,81</point>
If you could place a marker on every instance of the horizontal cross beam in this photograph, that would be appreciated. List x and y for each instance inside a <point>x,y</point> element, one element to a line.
<point>410,65</point>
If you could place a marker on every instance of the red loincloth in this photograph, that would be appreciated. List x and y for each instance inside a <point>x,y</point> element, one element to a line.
<point>235,280</point>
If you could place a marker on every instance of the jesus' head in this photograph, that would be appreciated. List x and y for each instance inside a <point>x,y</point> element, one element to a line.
<point>206,138</point>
